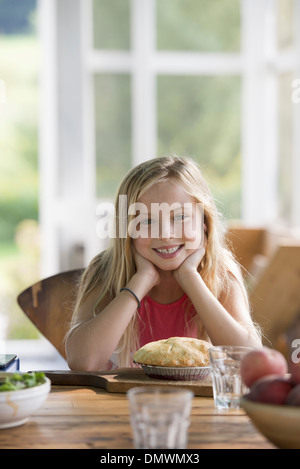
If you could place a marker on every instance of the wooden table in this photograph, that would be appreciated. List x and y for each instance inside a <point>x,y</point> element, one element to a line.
<point>92,418</point>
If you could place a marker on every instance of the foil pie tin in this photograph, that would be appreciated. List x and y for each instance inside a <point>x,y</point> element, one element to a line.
<point>190,373</point>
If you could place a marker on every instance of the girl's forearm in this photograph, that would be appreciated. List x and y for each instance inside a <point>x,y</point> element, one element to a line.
<point>90,346</point>
<point>221,327</point>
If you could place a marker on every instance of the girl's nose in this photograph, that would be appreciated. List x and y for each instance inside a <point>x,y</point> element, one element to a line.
<point>166,229</point>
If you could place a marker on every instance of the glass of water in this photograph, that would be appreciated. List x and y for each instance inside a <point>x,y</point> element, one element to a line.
<point>225,363</point>
<point>159,416</point>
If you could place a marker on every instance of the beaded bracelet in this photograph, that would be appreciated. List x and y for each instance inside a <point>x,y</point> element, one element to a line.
<point>130,291</point>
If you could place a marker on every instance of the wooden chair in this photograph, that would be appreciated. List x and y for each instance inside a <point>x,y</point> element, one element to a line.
<point>49,305</point>
<point>247,243</point>
<point>274,291</point>
<point>275,296</point>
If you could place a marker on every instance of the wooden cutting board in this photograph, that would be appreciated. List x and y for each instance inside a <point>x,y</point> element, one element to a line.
<point>123,379</point>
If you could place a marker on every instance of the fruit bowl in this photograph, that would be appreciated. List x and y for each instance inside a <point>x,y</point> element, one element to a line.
<point>279,423</point>
<point>17,406</point>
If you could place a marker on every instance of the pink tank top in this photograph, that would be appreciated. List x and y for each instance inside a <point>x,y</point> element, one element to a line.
<point>161,321</point>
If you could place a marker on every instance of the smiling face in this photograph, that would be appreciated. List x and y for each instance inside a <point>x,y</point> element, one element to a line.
<point>169,226</point>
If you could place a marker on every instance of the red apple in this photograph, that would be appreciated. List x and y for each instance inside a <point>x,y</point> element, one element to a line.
<point>295,372</point>
<point>293,397</point>
<point>262,362</point>
<point>270,389</point>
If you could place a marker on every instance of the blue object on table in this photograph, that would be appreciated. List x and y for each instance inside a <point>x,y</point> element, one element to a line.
<point>9,362</point>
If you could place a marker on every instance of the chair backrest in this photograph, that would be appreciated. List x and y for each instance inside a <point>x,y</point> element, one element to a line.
<point>246,243</point>
<point>275,297</point>
<point>49,305</point>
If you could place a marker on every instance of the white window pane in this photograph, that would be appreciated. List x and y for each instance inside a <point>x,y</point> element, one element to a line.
<point>113,131</point>
<point>111,20</point>
<point>198,25</point>
<point>200,117</point>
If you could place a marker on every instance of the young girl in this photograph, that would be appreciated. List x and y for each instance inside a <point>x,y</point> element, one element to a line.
<point>164,277</point>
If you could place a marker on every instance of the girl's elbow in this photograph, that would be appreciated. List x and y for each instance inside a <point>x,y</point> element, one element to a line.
<point>76,363</point>
<point>79,365</point>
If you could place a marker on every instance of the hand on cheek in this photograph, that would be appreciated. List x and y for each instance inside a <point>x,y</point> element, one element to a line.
<point>192,261</point>
<point>145,267</point>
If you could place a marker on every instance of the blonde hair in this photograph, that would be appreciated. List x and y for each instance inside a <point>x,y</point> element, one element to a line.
<point>113,268</point>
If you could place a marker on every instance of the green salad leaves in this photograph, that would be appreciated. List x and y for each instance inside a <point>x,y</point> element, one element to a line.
<point>19,381</point>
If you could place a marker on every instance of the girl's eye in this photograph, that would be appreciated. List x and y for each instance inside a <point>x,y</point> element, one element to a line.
<point>146,222</point>
<point>180,217</point>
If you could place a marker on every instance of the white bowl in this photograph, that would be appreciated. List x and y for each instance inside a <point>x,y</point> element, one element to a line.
<point>17,406</point>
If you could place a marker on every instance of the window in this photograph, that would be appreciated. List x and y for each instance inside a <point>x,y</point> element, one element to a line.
<point>288,208</point>
<point>112,130</point>
<point>207,79</point>
<point>197,26</point>
<point>200,116</point>
<point>169,83</point>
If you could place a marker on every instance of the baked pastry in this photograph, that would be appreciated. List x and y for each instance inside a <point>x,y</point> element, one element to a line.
<point>175,351</point>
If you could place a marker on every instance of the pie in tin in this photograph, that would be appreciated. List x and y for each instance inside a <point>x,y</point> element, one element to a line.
<point>175,351</point>
<point>176,358</point>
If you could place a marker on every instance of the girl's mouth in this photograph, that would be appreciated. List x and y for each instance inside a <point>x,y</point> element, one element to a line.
<point>168,252</point>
